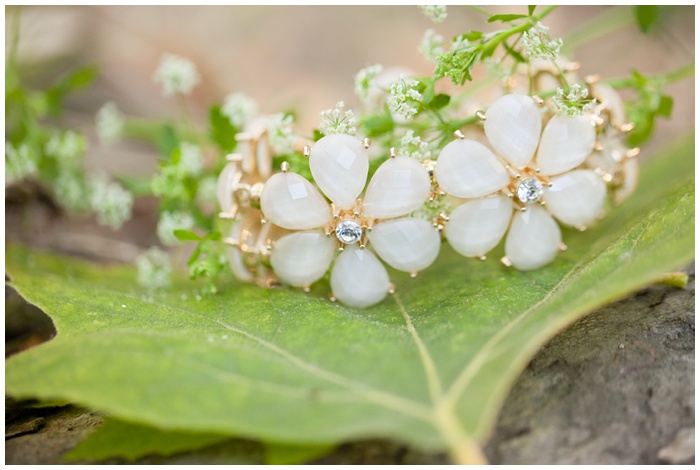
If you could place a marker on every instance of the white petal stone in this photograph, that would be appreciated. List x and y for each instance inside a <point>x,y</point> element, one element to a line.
<point>406,244</point>
<point>575,198</point>
<point>476,227</point>
<point>565,144</point>
<point>533,239</point>
<point>608,96</point>
<point>513,125</point>
<point>228,177</point>
<point>235,257</point>
<point>610,156</point>
<point>339,164</point>
<point>399,186</point>
<point>290,201</point>
<point>302,258</point>
<point>358,278</point>
<point>468,169</point>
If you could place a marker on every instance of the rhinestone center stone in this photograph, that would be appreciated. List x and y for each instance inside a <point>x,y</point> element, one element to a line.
<point>348,232</point>
<point>530,190</point>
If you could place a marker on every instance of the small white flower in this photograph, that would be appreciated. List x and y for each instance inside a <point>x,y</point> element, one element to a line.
<point>176,75</point>
<point>191,158</point>
<point>280,134</point>
<point>365,81</point>
<point>411,145</point>
<point>19,162</point>
<point>154,268</point>
<point>66,147</point>
<point>207,189</point>
<point>574,103</point>
<point>539,45</point>
<point>431,45</point>
<point>70,191</point>
<point>437,13</point>
<point>171,221</point>
<point>109,123</point>
<point>459,43</point>
<point>239,108</point>
<point>335,121</point>
<point>404,98</point>
<point>110,202</point>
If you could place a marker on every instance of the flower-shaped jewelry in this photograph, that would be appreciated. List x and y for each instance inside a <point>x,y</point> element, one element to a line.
<point>339,164</point>
<point>533,171</point>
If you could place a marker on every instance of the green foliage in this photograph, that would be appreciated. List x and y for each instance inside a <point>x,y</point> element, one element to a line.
<point>221,130</point>
<point>651,102</point>
<point>429,366</point>
<point>647,16</point>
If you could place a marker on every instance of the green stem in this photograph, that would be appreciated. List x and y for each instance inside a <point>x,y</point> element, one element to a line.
<point>151,131</point>
<point>483,11</point>
<point>684,72</point>
<point>12,59</point>
<point>602,25</point>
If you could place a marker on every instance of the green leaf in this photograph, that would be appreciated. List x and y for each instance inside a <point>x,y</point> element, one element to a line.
<point>186,235</point>
<point>647,16</point>
<point>222,131</point>
<point>285,454</point>
<point>505,18</point>
<point>440,101</point>
<point>429,366</point>
<point>531,9</point>
<point>137,185</point>
<point>167,141</point>
<point>116,438</point>
<point>74,81</point>
<point>665,106</point>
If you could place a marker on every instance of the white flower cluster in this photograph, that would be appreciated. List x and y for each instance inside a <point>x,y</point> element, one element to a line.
<point>171,221</point>
<point>335,121</point>
<point>70,191</point>
<point>404,98</point>
<point>239,108</point>
<point>19,162</point>
<point>154,268</point>
<point>431,45</point>
<point>191,159</point>
<point>412,146</point>
<point>437,13</point>
<point>66,147</point>
<point>176,75</point>
<point>109,123</point>
<point>574,103</point>
<point>365,81</point>
<point>539,45</point>
<point>279,131</point>
<point>111,202</point>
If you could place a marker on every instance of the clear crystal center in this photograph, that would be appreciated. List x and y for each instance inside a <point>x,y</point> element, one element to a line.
<point>348,232</point>
<point>530,190</point>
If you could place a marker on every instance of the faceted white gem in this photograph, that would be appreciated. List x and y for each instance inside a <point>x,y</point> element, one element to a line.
<point>610,157</point>
<point>358,279</point>
<point>565,144</point>
<point>236,257</point>
<point>476,227</point>
<point>630,179</point>
<point>302,258</point>
<point>530,190</point>
<point>290,201</point>
<point>224,190</point>
<point>339,164</point>
<point>513,127</point>
<point>575,198</point>
<point>348,232</point>
<point>399,186</point>
<point>468,169</point>
<point>533,239</point>
<point>406,244</point>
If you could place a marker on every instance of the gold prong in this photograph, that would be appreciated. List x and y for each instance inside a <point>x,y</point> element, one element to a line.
<point>523,209</point>
<point>307,151</point>
<point>581,228</point>
<point>362,246</point>
<point>368,225</point>
<point>573,66</point>
<point>592,79</point>
<point>550,184</point>
<point>506,262</point>
<point>480,115</point>
<point>542,202</point>
<point>285,167</point>
<point>331,297</point>
<point>392,152</point>
<point>234,157</point>
<point>538,171</point>
<point>538,101</point>
<point>598,146</point>
<point>392,288</point>
<point>263,219</point>
<point>563,247</point>
<point>443,215</point>
<point>631,153</point>
<point>627,127</point>
<point>413,273</point>
<point>517,176</point>
<point>599,122</point>
<point>511,195</point>
<point>307,289</point>
<point>341,247</point>
<point>458,134</point>
<point>366,142</point>
<point>482,258</point>
<point>335,210</point>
